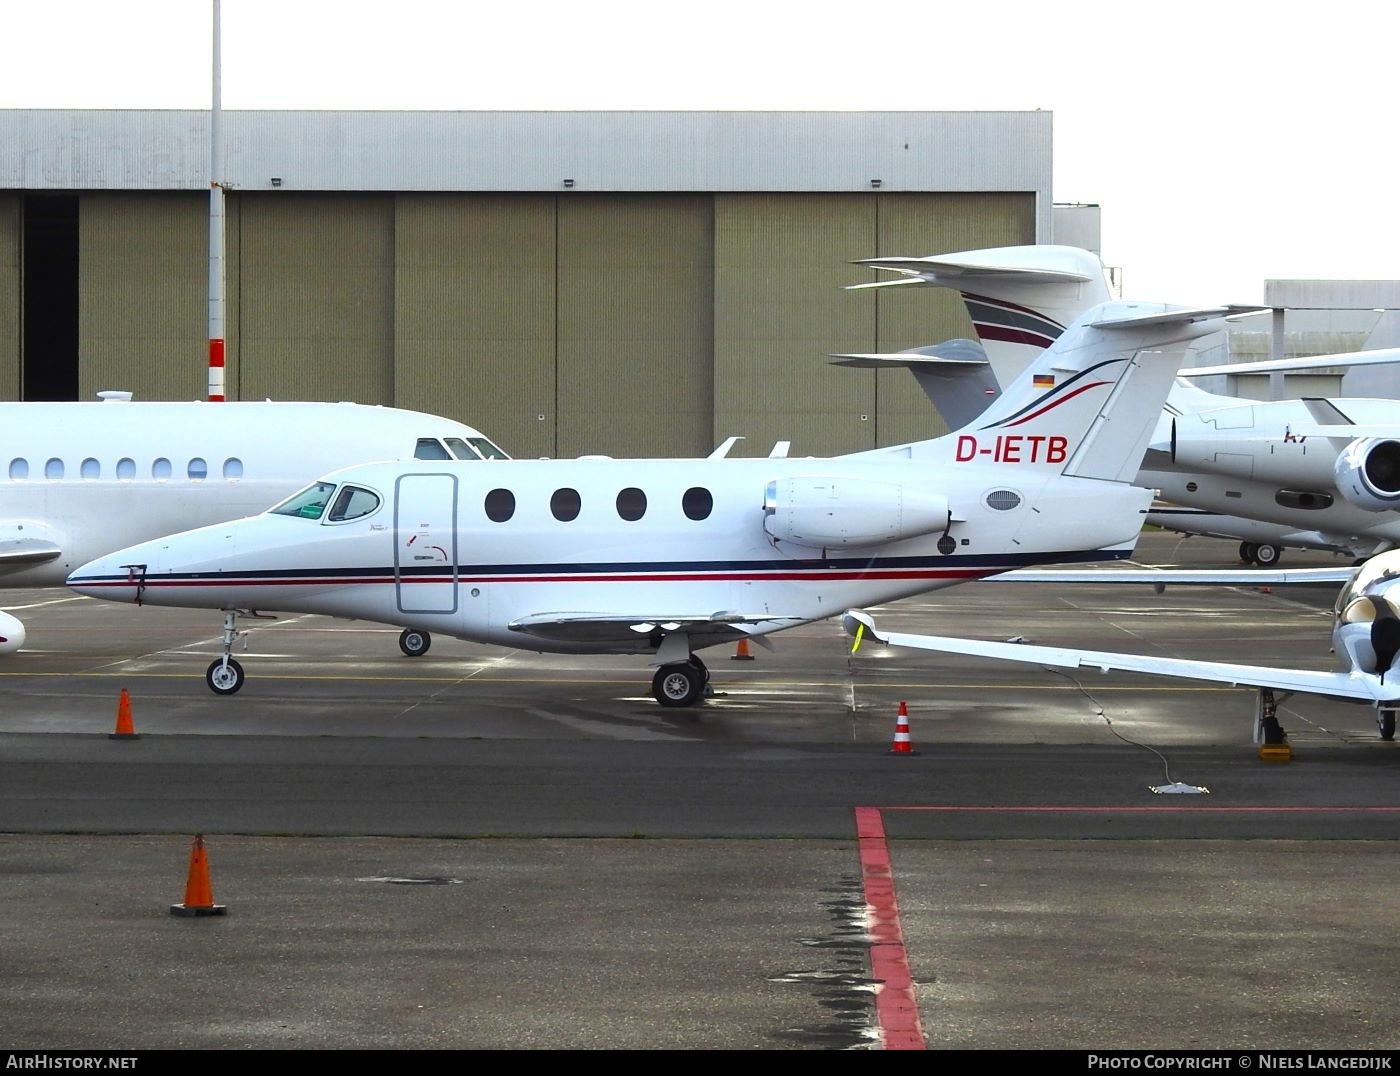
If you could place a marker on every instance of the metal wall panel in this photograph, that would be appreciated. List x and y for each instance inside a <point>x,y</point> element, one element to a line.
<point>635,324</point>
<point>474,314</point>
<point>143,295</point>
<point>11,294</point>
<point>918,225</point>
<point>781,262</point>
<point>316,279</point>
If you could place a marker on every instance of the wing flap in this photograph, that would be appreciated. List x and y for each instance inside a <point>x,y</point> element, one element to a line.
<point>585,627</point>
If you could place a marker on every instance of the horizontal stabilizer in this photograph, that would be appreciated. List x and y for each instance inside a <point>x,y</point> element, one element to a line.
<point>948,353</point>
<point>1161,317</point>
<point>965,268</point>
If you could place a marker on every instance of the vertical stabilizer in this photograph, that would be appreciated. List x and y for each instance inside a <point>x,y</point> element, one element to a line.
<point>1088,405</point>
<point>1020,299</point>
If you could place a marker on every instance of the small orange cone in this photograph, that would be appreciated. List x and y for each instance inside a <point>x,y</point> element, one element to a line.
<point>199,894</point>
<point>902,745</point>
<point>741,653</point>
<point>125,730</point>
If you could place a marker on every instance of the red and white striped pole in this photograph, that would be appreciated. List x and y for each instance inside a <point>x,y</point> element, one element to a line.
<point>216,234</point>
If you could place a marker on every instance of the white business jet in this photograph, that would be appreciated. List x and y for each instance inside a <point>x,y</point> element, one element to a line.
<point>80,479</point>
<point>666,557</point>
<point>1365,640</point>
<point>1264,473</point>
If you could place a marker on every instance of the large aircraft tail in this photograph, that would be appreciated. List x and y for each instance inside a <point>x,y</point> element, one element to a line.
<point>1088,405</point>
<point>1020,299</point>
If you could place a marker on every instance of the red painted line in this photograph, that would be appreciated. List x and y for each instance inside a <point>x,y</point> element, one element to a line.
<point>1121,810</point>
<point>896,1007</point>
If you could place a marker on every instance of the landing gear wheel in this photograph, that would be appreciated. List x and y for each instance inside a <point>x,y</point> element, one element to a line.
<point>704,669</point>
<point>1248,551</point>
<point>1385,720</point>
<point>1266,556</point>
<point>678,685</point>
<point>224,678</point>
<point>415,643</point>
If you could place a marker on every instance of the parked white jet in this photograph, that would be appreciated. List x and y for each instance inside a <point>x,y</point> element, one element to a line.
<point>666,557</point>
<point>1365,640</point>
<point>1261,472</point>
<point>78,480</point>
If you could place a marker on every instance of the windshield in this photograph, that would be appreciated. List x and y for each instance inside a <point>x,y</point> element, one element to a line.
<point>487,449</point>
<point>308,504</point>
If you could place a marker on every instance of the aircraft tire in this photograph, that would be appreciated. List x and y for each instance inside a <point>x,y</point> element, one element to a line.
<point>414,643</point>
<point>680,684</point>
<point>224,679</point>
<point>1247,551</point>
<point>1266,555</point>
<point>1385,720</point>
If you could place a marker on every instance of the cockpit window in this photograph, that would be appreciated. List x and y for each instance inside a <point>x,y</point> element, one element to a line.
<point>460,449</point>
<point>1376,570</point>
<point>430,448</point>
<point>352,502</point>
<point>308,504</point>
<point>488,450</point>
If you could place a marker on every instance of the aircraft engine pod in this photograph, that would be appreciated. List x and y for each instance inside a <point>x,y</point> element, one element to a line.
<point>825,512</point>
<point>1368,473</point>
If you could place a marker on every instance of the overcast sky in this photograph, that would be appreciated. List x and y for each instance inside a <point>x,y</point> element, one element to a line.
<point>1227,142</point>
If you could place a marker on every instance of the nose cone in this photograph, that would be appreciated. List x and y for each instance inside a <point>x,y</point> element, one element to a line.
<point>117,577</point>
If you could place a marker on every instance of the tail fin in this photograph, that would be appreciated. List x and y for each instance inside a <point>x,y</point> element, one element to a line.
<point>1089,403</point>
<point>1020,299</point>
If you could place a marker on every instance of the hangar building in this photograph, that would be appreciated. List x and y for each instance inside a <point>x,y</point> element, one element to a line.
<point>623,283</point>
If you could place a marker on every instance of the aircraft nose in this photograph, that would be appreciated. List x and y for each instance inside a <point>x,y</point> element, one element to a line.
<point>116,578</point>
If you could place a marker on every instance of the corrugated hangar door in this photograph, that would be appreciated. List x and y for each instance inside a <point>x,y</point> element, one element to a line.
<point>635,317</point>
<point>474,314</point>
<point>316,284</point>
<point>781,262</point>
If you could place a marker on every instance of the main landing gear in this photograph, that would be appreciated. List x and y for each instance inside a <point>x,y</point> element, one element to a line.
<point>680,683</point>
<point>415,643</point>
<point>1385,721</point>
<point>1264,554</point>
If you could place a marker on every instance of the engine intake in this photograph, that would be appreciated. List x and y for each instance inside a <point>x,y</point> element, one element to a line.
<point>1368,473</point>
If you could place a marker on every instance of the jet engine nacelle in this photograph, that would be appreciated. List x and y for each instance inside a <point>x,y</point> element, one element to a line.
<point>1368,473</point>
<point>823,512</point>
<point>11,634</point>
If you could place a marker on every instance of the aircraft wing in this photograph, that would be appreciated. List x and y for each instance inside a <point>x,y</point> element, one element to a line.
<point>1332,684</point>
<point>1159,577</point>
<point>602,627</point>
<point>22,552</point>
<point>1378,356</point>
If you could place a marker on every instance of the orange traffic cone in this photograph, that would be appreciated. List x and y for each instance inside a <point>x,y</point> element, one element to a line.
<point>125,730</point>
<point>199,894</point>
<point>902,745</point>
<point>742,652</point>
